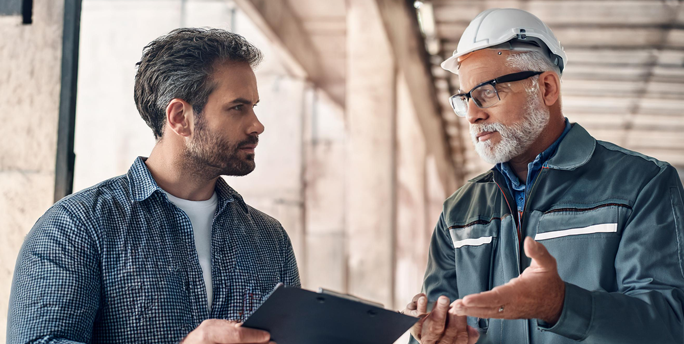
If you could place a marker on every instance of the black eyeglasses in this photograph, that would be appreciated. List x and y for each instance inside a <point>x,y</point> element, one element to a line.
<point>485,94</point>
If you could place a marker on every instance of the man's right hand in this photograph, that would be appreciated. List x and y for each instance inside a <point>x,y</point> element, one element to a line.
<point>442,325</point>
<point>217,331</point>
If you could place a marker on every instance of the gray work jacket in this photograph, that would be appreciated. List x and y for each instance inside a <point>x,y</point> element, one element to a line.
<point>612,218</point>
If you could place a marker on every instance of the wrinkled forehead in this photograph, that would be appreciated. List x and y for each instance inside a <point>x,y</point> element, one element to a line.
<point>482,65</point>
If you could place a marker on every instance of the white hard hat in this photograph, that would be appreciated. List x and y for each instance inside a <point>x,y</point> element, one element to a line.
<point>510,29</point>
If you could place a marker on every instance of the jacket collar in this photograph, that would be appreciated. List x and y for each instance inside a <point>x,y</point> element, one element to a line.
<point>574,151</point>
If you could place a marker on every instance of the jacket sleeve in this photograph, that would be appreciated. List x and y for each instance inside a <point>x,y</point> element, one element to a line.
<point>440,275</point>
<point>649,307</point>
<point>56,287</point>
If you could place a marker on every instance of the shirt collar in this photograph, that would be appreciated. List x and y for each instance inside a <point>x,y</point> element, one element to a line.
<point>143,186</point>
<point>140,180</point>
<point>538,162</point>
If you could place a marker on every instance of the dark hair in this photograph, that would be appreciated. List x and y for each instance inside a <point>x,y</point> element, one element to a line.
<point>179,65</point>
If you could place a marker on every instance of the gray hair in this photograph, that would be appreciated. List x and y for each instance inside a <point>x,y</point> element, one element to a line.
<point>532,61</point>
<point>180,65</point>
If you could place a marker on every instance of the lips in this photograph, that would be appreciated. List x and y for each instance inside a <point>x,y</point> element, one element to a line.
<point>485,135</point>
<point>249,149</point>
<point>249,144</point>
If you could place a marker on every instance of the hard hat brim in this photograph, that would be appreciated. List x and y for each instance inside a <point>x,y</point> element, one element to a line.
<point>451,64</point>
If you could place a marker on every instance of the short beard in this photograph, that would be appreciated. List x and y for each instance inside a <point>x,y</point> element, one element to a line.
<point>210,155</point>
<point>517,138</point>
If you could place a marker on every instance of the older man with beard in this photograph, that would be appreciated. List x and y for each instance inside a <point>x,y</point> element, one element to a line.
<point>168,252</point>
<point>567,238</point>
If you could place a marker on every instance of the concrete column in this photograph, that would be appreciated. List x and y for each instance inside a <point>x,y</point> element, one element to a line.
<point>370,180</point>
<point>29,106</point>
<point>411,243</point>
<point>324,142</point>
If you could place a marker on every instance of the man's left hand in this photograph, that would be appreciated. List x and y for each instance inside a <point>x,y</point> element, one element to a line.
<point>536,294</point>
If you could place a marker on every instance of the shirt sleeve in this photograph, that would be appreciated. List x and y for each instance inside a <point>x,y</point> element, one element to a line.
<point>290,270</point>
<point>649,307</point>
<point>56,287</point>
<point>440,267</point>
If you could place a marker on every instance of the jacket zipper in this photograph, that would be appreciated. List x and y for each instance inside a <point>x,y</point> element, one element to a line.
<point>527,199</point>
<point>517,227</point>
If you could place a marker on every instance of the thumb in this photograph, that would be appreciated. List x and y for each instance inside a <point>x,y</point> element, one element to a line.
<point>538,253</point>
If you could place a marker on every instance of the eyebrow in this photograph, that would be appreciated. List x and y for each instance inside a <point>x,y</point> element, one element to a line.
<point>243,101</point>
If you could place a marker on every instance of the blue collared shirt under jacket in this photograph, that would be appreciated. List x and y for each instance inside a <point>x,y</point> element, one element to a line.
<point>116,263</point>
<point>519,189</point>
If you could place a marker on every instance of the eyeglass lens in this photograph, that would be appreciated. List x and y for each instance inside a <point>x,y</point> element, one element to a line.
<point>483,96</point>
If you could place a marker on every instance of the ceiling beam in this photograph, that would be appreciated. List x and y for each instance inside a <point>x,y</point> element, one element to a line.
<point>408,46</point>
<point>285,30</point>
<point>565,12</point>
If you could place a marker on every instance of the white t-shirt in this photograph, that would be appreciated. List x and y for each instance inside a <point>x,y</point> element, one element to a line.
<point>201,214</point>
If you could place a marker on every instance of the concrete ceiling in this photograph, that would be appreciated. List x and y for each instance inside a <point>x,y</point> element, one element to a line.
<point>326,24</point>
<point>624,79</point>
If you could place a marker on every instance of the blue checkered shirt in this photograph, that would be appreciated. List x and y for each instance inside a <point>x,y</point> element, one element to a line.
<point>116,263</point>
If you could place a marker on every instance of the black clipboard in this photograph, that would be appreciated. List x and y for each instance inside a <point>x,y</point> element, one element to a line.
<point>299,316</point>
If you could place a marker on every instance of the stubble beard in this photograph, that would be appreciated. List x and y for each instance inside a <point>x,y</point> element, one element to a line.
<point>210,155</point>
<point>516,138</point>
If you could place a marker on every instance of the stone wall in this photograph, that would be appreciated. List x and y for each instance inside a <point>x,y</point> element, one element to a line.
<point>30,65</point>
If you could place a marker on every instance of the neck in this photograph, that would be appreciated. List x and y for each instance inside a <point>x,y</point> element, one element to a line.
<point>548,136</point>
<point>169,168</point>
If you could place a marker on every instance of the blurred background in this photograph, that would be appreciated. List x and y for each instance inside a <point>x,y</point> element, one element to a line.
<point>361,147</point>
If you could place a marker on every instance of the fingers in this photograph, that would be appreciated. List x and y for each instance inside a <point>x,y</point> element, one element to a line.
<point>538,253</point>
<point>228,332</point>
<point>414,308</point>
<point>421,304</point>
<point>473,335</point>
<point>456,329</point>
<point>418,296</point>
<point>417,306</point>
<point>435,323</point>
<point>481,312</point>
<point>496,297</point>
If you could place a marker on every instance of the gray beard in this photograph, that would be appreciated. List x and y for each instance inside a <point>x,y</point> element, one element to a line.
<point>515,139</point>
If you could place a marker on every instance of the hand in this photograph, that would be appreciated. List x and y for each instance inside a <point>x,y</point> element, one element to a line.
<point>441,325</point>
<point>536,294</point>
<point>215,331</point>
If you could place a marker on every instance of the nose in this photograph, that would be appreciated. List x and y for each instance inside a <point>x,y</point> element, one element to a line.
<point>475,114</point>
<point>255,127</point>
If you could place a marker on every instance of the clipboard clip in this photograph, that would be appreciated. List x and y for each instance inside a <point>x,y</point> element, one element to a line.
<point>350,297</point>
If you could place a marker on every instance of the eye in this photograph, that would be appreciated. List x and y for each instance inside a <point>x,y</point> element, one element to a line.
<point>238,107</point>
<point>488,93</point>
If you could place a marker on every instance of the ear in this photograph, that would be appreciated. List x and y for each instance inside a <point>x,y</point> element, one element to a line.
<point>179,117</point>
<point>549,83</point>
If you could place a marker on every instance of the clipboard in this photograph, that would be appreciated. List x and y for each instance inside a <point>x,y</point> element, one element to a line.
<point>299,316</point>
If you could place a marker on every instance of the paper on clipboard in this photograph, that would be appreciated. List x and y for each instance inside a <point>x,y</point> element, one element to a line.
<point>299,316</point>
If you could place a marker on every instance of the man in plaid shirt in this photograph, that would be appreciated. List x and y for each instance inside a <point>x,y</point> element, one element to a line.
<point>168,252</point>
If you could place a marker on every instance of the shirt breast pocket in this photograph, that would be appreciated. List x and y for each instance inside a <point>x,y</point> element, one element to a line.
<point>584,240</point>
<point>474,249</point>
